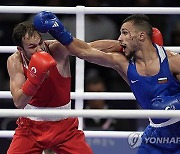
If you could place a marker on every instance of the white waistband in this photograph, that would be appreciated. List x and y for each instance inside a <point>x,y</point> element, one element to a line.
<point>65,107</point>
<point>167,123</point>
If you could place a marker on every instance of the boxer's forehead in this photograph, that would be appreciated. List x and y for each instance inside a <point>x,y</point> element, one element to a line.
<point>127,26</point>
<point>35,38</point>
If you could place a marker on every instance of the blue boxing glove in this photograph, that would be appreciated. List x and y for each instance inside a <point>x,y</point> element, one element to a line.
<point>165,103</point>
<point>46,21</point>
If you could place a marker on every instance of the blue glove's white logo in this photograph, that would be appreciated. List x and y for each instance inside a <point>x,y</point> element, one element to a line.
<point>55,24</point>
<point>134,140</point>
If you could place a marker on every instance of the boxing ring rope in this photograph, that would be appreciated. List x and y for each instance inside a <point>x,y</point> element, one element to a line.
<point>122,134</point>
<point>133,114</point>
<point>88,95</point>
<point>11,49</point>
<point>89,113</point>
<point>79,95</point>
<point>91,10</point>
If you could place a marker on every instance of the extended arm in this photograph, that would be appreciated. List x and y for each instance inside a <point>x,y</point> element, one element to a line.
<point>46,21</point>
<point>84,51</point>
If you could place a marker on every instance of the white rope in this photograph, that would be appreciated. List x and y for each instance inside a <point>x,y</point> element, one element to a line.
<point>113,134</point>
<point>7,49</point>
<point>5,94</point>
<point>6,133</point>
<point>11,49</point>
<point>91,10</point>
<point>133,114</point>
<point>88,95</point>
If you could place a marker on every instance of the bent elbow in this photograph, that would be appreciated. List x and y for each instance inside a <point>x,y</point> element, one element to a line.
<point>19,105</point>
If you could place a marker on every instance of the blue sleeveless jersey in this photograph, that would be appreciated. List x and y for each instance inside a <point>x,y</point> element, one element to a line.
<point>146,88</point>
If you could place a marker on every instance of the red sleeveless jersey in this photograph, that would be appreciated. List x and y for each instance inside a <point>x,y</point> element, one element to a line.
<point>54,91</point>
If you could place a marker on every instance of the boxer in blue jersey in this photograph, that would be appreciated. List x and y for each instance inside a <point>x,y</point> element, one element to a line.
<point>152,72</point>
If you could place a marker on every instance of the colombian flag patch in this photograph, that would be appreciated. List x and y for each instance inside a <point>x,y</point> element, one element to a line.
<point>162,80</point>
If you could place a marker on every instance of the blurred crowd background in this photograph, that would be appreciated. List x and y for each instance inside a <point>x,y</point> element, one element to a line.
<point>97,78</point>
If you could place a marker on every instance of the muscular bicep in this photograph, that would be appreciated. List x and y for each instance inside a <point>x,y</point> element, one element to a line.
<point>107,45</point>
<point>117,61</point>
<point>174,62</point>
<point>17,77</point>
<point>112,60</point>
<point>16,83</point>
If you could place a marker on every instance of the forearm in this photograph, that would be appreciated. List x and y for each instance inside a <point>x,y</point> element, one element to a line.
<point>79,48</point>
<point>17,80</point>
<point>21,99</point>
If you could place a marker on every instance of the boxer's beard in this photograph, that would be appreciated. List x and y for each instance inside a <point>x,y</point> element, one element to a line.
<point>130,55</point>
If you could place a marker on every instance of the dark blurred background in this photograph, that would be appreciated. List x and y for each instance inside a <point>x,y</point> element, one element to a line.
<point>97,78</point>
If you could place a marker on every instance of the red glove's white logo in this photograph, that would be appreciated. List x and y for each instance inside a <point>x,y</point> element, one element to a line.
<point>33,72</point>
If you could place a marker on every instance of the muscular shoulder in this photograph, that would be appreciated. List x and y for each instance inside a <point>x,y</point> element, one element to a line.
<point>174,61</point>
<point>14,62</point>
<point>172,56</point>
<point>15,57</point>
<point>171,53</point>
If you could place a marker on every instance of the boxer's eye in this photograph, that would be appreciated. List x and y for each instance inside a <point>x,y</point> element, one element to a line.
<point>124,32</point>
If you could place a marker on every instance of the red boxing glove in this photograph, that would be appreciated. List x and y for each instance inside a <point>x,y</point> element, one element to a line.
<point>39,65</point>
<point>157,37</point>
<point>121,49</point>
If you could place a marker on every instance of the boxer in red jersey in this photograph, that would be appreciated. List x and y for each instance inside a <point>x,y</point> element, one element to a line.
<point>40,79</point>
